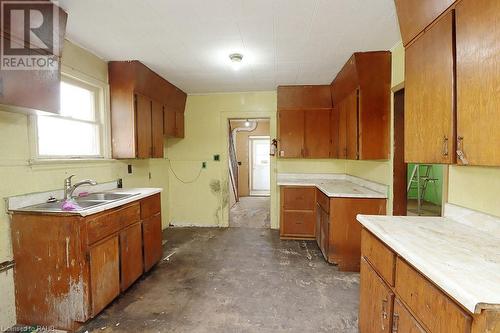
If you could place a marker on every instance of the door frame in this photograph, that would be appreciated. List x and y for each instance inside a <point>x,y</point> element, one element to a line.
<point>222,213</point>
<point>250,166</point>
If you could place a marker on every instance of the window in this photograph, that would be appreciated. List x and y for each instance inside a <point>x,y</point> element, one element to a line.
<point>79,130</point>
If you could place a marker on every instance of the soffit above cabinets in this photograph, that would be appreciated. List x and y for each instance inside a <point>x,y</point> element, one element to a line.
<point>284,42</point>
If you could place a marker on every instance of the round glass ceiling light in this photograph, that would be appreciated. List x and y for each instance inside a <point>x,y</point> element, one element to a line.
<point>236,60</point>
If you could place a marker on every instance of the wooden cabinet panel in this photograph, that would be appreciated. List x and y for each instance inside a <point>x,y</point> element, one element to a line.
<point>131,265</point>
<point>298,224</point>
<point>291,133</point>
<point>151,206</point>
<point>379,255</point>
<point>317,133</point>
<point>298,198</point>
<point>104,273</point>
<point>345,230</point>
<point>403,321</point>
<point>342,110</point>
<point>478,81</point>
<point>429,100</point>
<point>143,126</point>
<point>324,232</point>
<point>334,133</point>
<point>169,121</point>
<point>376,302</point>
<point>415,15</point>
<point>323,200</point>
<point>105,224</point>
<point>152,239</point>
<point>429,304</point>
<point>179,124</point>
<point>316,97</point>
<point>157,122</point>
<point>352,126</point>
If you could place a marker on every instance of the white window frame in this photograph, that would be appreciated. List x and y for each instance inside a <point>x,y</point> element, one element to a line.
<point>101,93</point>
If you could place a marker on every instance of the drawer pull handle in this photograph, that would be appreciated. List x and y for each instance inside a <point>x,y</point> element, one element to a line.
<point>384,313</point>
<point>445,146</point>
<point>395,322</point>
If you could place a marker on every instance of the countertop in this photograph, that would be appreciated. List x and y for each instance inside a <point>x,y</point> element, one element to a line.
<point>460,258</point>
<point>336,185</point>
<point>139,193</point>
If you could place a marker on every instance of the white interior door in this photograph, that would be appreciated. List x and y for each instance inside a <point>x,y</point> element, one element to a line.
<point>260,163</point>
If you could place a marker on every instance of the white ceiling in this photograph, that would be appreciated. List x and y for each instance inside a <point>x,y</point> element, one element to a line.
<point>188,41</point>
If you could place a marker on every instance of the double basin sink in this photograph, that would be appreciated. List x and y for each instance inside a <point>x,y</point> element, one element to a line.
<point>82,202</point>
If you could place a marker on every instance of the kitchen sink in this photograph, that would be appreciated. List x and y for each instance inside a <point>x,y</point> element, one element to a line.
<point>105,196</point>
<point>84,202</point>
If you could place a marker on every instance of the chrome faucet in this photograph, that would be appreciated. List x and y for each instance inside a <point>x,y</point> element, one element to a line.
<point>69,188</point>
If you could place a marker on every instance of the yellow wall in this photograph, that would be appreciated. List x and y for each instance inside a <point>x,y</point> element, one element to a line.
<point>19,177</point>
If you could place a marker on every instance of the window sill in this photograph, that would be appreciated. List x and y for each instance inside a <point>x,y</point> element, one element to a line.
<point>50,161</point>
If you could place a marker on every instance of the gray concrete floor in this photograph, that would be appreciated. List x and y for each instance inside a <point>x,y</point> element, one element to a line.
<point>251,212</point>
<point>236,280</point>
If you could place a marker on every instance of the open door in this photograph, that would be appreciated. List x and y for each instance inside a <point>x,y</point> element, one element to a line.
<point>260,166</point>
<point>400,168</point>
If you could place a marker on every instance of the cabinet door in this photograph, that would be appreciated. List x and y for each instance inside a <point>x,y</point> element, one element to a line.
<point>179,124</point>
<point>429,95</point>
<point>352,125</point>
<point>325,229</point>
<point>104,273</point>
<point>403,321</point>
<point>130,255</point>
<point>299,224</point>
<point>143,126</point>
<point>376,301</point>
<point>291,133</point>
<point>478,81</point>
<point>157,129</point>
<point>334,131</point>
<point>318,225</point>
<point>169,121</point>
<point>317,133</point>
<point>152,240</point>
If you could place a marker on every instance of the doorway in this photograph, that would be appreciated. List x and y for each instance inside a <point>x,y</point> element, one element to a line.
<point>418,188</point>
<point>249,173</point>
<point>260,164</point>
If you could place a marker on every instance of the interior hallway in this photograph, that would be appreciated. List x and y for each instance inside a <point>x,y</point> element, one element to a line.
<point>236,280</point>
<point>251,212</point>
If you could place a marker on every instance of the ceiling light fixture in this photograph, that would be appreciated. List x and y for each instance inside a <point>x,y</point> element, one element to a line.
<point>247,123</point>
<point>236,60</point>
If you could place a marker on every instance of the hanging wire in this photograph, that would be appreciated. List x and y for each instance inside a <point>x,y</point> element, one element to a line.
<point>181,180</point>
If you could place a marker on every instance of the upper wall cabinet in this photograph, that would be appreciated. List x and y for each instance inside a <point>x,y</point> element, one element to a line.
<point>144,108</point>
<point>415,15</point>
<point>31,89</point>
<point>429,95</point>
<point>304,121</point>
<point>478,81</point>
<point>361,107</point>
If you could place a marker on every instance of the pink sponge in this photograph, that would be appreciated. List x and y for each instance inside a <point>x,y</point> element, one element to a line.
<point>70,205</point>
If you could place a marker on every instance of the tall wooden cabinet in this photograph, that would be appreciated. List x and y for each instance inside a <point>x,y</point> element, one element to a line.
<point>452,79</point>
<point>478,81</point>
<point>144,108</point>
<point>304,129</point>
<point>361,96</point>
<point>430,96</point>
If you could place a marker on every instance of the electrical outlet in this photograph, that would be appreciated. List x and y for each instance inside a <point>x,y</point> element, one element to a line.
<point>204,165</point>
<point>129,167</point>
<point>217,157</point>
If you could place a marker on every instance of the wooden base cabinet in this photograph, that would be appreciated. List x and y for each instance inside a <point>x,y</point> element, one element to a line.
<point>338,233</point>
<point>81,263</point>
<point>298,212</point>
<point>396,298</point>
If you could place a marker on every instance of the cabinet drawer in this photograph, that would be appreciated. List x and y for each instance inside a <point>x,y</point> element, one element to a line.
<point>429,304</point>
<point>379,255</point>
<point>300,224</point>
<point>323,201</point>
<point>107,224</point>
<point>299,198</point>
<point>150,206</point>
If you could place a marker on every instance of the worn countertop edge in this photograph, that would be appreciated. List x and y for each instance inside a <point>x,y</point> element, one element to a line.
<point>463,298</point>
